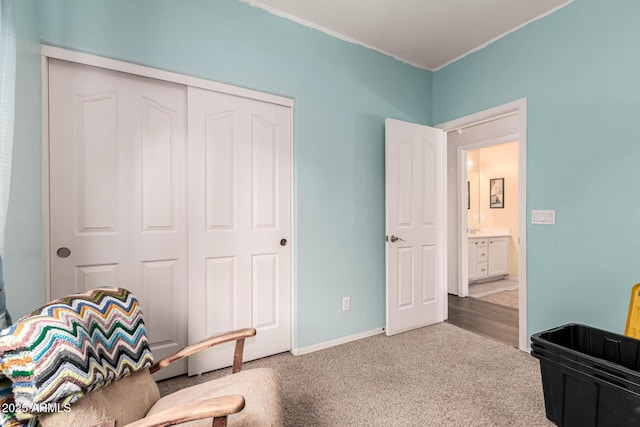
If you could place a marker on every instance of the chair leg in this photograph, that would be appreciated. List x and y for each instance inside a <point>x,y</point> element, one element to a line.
<point>237,356</point>
<point>219,422</point>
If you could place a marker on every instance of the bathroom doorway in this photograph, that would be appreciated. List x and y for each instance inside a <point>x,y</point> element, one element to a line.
<point>486,235</point>
<point>492,224</point>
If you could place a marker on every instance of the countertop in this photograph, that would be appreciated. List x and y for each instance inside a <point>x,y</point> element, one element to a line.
<point>495,232</point>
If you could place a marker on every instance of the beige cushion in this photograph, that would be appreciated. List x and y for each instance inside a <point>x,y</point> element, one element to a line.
<point>261,390</point>
<point>126,400</point>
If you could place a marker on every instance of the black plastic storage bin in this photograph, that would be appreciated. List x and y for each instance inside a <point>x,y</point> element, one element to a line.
<point>590,377</point>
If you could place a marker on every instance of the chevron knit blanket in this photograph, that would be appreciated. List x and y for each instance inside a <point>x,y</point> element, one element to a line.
<point>73,345</point>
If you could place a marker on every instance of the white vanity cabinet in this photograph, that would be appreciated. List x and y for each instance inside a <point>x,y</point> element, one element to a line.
<point>478,256</point>
<point>488,257</point>
<point>498,256</point>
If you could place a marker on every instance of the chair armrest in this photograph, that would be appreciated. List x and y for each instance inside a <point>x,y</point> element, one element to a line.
<point>238,336</point>
<point>216,407</point>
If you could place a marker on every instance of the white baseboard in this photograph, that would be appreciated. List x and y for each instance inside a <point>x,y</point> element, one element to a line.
<point>333,343</point>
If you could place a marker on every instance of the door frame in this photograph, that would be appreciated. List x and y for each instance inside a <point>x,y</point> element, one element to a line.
<point>518,107</point>
<point>53,52</point>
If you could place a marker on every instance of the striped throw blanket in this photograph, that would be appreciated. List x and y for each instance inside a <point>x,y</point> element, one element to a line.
<point>67,348</point>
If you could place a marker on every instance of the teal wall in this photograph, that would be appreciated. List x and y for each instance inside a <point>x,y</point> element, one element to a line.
<point>23,266</point>
<point>579,69</point>
<point>342,91</point>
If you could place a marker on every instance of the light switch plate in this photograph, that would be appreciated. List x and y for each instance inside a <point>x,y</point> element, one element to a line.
<point>546,217</point>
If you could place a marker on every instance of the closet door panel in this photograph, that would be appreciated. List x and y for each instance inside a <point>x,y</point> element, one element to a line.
<point>118,192</point>
<point>239,213</point>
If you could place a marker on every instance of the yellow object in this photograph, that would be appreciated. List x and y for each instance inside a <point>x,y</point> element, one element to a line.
<point>633,317</point>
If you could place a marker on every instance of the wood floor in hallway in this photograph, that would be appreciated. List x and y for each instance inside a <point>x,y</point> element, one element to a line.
<point>484,318</point>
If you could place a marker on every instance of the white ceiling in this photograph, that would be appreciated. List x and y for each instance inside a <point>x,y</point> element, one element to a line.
<point>427,33</point>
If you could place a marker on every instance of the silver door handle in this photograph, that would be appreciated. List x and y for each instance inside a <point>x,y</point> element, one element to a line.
<point>395,238</point>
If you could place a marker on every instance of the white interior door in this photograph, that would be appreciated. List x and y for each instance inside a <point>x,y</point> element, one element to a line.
<point>117,192</point>
<point>239,224</point>
<point>415,225</point>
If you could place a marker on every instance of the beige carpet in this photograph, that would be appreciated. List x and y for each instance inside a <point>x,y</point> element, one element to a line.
<point>440,375</point>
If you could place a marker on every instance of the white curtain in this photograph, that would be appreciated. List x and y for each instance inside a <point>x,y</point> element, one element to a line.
<point>7,112</point>
<point>7,105</point>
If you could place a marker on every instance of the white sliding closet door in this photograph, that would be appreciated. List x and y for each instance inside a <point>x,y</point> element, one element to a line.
<point>239,224</point>
<point>118,192</point>
<point>197,226</point>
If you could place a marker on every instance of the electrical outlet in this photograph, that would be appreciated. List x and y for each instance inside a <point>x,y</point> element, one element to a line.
<point>346,303</point>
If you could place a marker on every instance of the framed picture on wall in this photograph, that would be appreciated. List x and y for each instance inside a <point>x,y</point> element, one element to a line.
<point>496,193</point>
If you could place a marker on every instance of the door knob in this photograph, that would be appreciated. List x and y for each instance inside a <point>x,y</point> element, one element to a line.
<point>395,238</point>
<point>63,252</point>
<point>283,242</point>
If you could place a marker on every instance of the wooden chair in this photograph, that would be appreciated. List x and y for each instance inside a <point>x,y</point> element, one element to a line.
<point>117,388</point>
